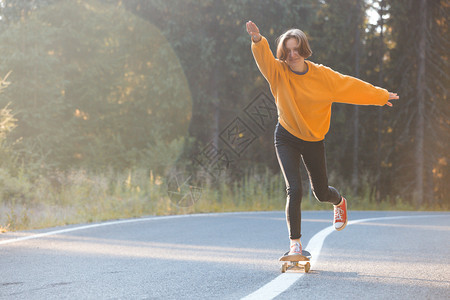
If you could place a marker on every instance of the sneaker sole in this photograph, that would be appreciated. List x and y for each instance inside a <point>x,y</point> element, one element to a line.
<point>342,227</point>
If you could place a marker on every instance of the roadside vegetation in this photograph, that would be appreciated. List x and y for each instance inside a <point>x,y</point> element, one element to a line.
<point>80,197</point>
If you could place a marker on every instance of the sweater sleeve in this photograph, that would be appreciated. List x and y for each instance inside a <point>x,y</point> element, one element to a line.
<point>267,64</point>
<point>351,90</point>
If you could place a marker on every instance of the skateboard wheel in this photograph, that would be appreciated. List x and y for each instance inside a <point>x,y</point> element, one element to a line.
<point>283,268</point>
<point>307,267</point>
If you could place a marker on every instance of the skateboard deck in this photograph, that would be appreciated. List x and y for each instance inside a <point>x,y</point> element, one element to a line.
<point>296,263</point>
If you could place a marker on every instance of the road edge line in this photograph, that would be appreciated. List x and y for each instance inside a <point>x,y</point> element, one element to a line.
<point>116,222</point>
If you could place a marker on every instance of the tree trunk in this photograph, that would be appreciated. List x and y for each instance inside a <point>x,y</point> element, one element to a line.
<point>216,107</point>
<point>421,87</point>
<point>378,184</point>
<point>355,177</point>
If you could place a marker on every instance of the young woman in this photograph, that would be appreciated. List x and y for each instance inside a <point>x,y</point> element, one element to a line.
<point>304,92</point>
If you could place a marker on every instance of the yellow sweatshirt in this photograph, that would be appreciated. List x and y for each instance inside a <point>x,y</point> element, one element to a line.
<point>304,101</point>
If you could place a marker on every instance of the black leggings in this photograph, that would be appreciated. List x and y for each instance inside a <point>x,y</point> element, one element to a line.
<point>290,149</point>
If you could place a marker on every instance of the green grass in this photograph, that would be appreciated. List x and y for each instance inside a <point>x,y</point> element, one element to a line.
<point>80,197</point>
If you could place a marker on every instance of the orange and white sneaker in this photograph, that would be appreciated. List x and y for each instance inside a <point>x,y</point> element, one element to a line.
<point>340,215</point>
<point>296,249</point>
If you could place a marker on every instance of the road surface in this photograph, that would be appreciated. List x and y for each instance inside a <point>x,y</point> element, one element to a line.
<point>380,255</point>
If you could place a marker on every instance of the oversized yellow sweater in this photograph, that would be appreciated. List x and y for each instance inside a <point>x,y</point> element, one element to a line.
<point>304,101</point>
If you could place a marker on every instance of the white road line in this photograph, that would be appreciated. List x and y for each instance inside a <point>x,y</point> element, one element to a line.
<point>44,234</point>
<point>285,280</point>
<point>118,222</point>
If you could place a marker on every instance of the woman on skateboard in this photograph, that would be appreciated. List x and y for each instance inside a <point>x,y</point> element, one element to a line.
<point>304,92</point>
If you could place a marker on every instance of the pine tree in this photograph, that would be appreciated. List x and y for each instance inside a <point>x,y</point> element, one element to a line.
<point>420,70</point>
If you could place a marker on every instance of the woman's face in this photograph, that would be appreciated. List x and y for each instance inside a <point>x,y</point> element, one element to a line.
<point>293,57</point>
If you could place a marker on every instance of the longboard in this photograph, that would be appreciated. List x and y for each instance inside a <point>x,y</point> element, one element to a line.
<point>296,263</point>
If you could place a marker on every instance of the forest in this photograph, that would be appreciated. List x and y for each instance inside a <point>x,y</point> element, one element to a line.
<point>123,108</point>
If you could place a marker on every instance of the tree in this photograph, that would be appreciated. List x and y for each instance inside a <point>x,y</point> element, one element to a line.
<point>7,124</point>
<point>7,120</point>
<point>421,73</point>
<point>95,86</point>
<point>377,38</point>
<point>209,38</point>
<point>13,11</point>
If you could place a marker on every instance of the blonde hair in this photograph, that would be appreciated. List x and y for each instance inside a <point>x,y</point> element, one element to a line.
<point>304,50</point>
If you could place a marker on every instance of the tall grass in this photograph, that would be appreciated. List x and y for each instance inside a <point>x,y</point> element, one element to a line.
<point>63,198</point>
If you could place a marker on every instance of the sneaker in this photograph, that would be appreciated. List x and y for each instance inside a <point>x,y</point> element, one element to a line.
<point>296,249</point>
<point>340,215</point>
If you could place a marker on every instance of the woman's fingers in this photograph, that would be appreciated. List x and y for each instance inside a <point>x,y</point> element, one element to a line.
<point>393,96</point>
<point>252,28</point>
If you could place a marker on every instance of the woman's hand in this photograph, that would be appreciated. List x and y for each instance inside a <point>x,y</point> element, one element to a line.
<point>392,96</point>
<point>253,31</point>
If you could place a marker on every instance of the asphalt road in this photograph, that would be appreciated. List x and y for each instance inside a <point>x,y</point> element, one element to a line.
<point>230,256</point>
